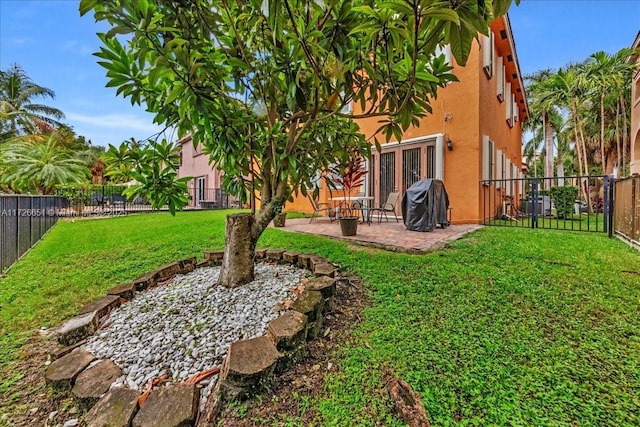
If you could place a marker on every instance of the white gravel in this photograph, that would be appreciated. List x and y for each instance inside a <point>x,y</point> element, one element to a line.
<point>186,326</point>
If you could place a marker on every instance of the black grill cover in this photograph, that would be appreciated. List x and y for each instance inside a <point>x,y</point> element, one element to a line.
<point>425,205</point>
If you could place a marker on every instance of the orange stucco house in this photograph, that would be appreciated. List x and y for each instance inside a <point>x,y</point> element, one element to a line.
<point>635,112</point>
<point>474,134</point>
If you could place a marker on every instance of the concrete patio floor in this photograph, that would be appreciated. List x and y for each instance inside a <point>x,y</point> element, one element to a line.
<point>390,235</point>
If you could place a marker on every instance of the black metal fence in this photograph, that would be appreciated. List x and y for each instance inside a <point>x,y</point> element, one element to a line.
<point>23,222</point>
<point>110,200</point>
<point>574,203</point>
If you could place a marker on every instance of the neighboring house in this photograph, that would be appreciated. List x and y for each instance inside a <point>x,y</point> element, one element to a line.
<point>206,183</point>
<point>473,134</point>
<point>635,112</point>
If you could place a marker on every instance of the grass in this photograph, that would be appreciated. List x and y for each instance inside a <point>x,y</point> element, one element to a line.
<point>504,327</point>
<point>591,223</point>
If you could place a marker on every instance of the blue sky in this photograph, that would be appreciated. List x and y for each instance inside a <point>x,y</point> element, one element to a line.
<point>54,45</point>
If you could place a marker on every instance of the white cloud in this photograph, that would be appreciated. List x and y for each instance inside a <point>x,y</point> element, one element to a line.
<point>111,128</point>
<point>114,121</point>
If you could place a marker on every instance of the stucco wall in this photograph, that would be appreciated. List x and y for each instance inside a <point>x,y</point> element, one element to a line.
<point>195,164</point>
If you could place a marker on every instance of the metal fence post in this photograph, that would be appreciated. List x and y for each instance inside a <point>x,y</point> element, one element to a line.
<point>611,205</point>
<point>605,203</point>
<point>534,203</point>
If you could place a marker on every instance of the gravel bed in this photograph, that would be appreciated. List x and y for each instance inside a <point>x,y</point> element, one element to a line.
<point>186,326</point>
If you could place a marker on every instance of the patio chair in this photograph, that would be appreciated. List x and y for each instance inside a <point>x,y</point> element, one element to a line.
<point>365,212</point>
<point>388,206</point>
<point>319,207</point>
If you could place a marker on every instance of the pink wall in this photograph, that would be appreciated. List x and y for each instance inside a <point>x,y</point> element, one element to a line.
<point>195,164</point>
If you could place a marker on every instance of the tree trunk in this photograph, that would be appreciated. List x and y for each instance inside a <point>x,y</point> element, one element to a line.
<point>602,160</point>
<point>618,148</point>
<point>548,148</point>
<point>560,169</point>
<point>239,251</point>
<point>624,136</point>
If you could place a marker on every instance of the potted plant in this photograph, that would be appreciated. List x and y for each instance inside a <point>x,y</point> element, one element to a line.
<point>279,220</point>
<point>349,175</point>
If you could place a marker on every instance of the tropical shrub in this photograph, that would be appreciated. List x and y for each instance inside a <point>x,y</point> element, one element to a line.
<point>563,199</point>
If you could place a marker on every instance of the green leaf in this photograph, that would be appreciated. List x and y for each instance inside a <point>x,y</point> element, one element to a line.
<point>86,6</point>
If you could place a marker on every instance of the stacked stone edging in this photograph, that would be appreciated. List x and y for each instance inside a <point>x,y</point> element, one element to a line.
<point>247,369</point>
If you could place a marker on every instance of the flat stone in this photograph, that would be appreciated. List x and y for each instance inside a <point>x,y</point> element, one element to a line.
<point>290,257</point>
<point>92,383</point>
<point>251,357</point>
<point>304,260</point>
<point>288,331</point>
<point>116,408</point>
<point>315,260</point>
<point>188,264</point>
<point>215,257</point>
<point>172,406</point>
<point>247,369</point>
<point>326,286</point>
<point>58,353</point>
<point>78,328</point>
<point>275,254</point>
<point>126,291</point>
<point>324,269</point>
<point>205,263</point>
<point>62,372</point>
<point>261,253</point>
<point>102,306</point>
<point>311,304</point>
<point>167,271</point>
<point>144,281</point>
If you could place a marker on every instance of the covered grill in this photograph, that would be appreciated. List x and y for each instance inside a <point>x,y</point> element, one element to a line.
<point>425,205</point>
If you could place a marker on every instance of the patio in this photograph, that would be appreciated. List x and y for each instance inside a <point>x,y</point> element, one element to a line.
<point>390,235</point>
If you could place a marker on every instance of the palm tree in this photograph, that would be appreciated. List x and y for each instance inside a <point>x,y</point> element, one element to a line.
<point>540,123</point>
<point>19,115</point>
<point>38,166</point>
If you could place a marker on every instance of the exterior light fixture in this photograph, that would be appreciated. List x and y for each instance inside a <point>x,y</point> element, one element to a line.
<point>448,142</point>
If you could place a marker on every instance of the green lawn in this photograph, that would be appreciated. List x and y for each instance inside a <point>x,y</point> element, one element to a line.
<point>591,223</point>
<point>504,327</point>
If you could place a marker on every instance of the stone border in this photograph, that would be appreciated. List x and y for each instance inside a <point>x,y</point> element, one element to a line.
<point>247,369</point>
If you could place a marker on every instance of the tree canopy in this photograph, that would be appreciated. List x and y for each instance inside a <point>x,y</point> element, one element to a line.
<point>270,88</point>
<point>595,98</point>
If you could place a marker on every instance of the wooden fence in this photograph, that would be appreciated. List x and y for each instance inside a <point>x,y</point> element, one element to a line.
<point>627,209</point>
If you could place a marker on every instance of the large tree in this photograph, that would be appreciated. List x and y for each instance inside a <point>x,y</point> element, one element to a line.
<point>266,85</point>
<point>36,166</point>
<point>20,114</point>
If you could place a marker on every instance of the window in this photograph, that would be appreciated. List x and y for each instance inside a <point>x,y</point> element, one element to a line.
<point>411,170</point>
<point>488,160</point>
<point>508,106</point>
<point>200,188</point>
<point>431,161</point>
<point>510,175</point>
<point>515,109</point>
<point>487,54</point>
<point>500,171</point>
<point>500,78</point>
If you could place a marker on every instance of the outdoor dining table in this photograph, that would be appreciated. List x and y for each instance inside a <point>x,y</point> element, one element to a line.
<point>365,200</point>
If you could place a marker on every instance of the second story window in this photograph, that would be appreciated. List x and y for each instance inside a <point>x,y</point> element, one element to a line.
<point>487,54</point>
<point>500,79</point>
